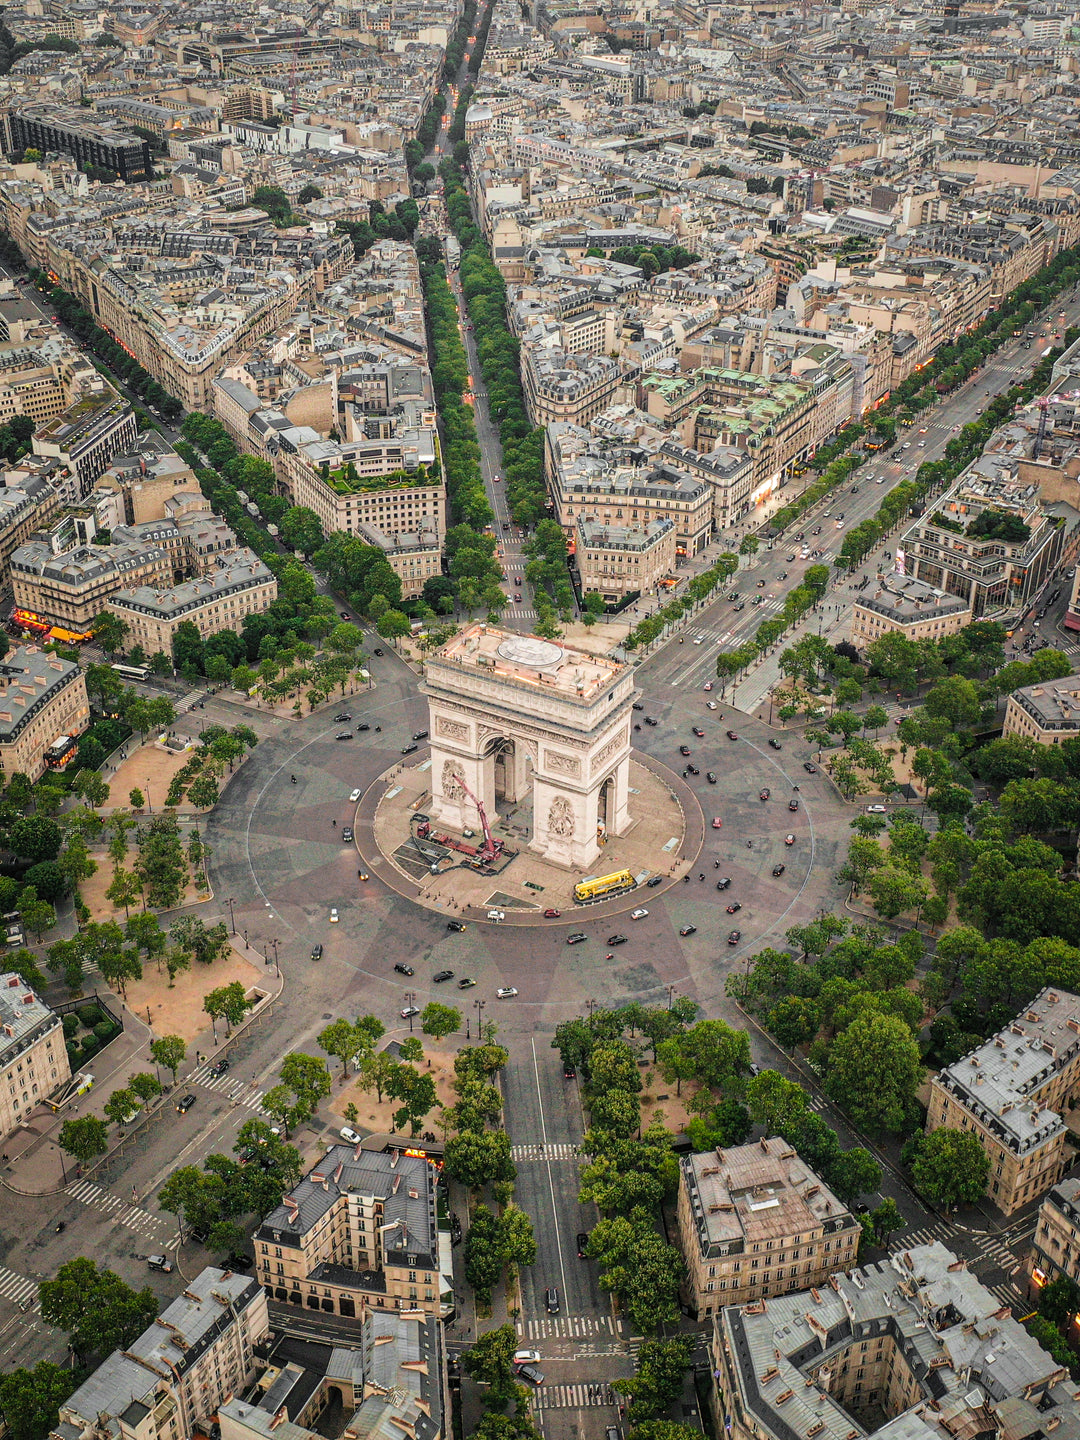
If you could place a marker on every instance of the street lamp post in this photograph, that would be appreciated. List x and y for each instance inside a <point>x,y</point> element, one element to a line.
<point>232,917</point>
<point>149,806</point>
<point>479,1004</point>
<point>670,992</point>
<point>410,1001</point>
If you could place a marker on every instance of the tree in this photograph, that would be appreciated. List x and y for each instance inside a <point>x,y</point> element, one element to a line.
<point>479,1159</point>
<point>136,799</point>
<point>951,1167</point>
<point>438,1021</point>
<point>774,1102</point>
<point>84,1138</point>
<point>657,1381</point>
<point>1059,1302</point>
<point>122,1106</point>
<point>228,1003</point>
<point>36,838</point>
<point>664,1429</point>
<point>874,1070</point>
<point>98,1310</point>
<point>35,915</point>
<point>854,1172</point>
<point>169,1051</point>
<point>516,1238</point>
<point>31,1399</point>
<point>144,1085</point>
<point>416,1091</point>
<point>91,787</point>
<point>483,1254</point>
<point>885,1220</point>
<point>308,1078</point>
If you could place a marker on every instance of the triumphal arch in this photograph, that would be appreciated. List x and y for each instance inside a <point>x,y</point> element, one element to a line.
<point>515,717</point>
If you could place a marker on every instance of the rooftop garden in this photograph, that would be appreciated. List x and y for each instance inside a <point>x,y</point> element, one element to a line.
<point>943,522</point>
<point>345,480</point>
<point>999,525</point>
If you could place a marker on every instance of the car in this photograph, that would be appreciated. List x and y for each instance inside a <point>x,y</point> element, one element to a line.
<point>551,1299</point>
<point>789,839</point>
<point>809,767</point>
<point>344,735</point>
<point>724,883</point>
<point>185,1103</point>
<point>340,719</point>
<point>875,809</point>
<point>734,595</point>
<point>316,952</point>
<point>160,1262</point>
<point>344,615</point>
<point>791,557</point>
<point>569,1073</point>
<point>765,793</point>
<point>354,796</point>
<point>688,930</point>
<point>775,745</point>
<point>684,749</point>
<point>710,776</point>
<point>531,1374</point>
<point>778,869</point>
<point>699,732</point>
<point>576,938</point>
<point>346,834</point>
<point>517,580</point>
<point>699,640</point>
<point>456,926</point>
<point>442,975</point>
<point>734,937</point>
<point>420,735</point>
<point>218,1067</point>
<point>617,939</point>
<point>466,982</point>
<point>506,992</point>
<point>409,1011</point>
<point>650,721</point>
<point>711,705</point>
<point>639,913</point>
<point>692,769</point>
<point>526,1357</point>
<point>731,735</point>
<point>654,880</point>
<point>551,914</point>
<point>708,685</point>
<point>333,917</point>
<point>377,650</point>
<point>409,749</point>
<point>761,584</point>
<point>734,907</point>
<point>793,804</point>
<point>362,727</point>
<point>637,705</point>
<point>350,1136</point>
<point>740,606</point>
<point>717,823</point>
<point>402,969</point>
<point>582,1241</point>
<point>517,598</point>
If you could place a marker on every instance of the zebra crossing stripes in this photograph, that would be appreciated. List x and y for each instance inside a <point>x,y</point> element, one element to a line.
<point>132,1217</point>
<point>582,1396</point>
<point>570,1327</point>
<point>18,1288</point>
<point>926,1236</point>
<point>228,1085</point>
<point>996,1250</point>
<point>1010,1296</point>
<point>559,1151</point>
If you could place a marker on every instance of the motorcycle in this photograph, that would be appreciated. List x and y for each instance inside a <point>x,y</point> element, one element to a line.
<point>292,778</point>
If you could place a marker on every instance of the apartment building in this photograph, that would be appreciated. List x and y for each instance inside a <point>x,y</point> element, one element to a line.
<point>87,435</point>
<point>755,1221</point>
<point>240,585</point>
<point>910,1348</point>
<point>1055,1246</point>
<point>1010,1093</point>
<point>42,700</point>
<point>560,386</point>
<point>900,604</point>
<point>91,139</point>
<point>1048,712</point>
<point>33,1055</point>
<point>169,1383</point>
<point>27,503</point>
<point>621,560</point>
<point>413,555</point>
<point>69,589</point>
<point>379,484</point>
<point>358,1230</point>
<point>150,481</point>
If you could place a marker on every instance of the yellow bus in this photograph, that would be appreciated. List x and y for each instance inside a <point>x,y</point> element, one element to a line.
<point>602,886</point>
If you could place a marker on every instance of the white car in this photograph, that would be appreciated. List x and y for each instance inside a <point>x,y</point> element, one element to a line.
<point>700,640</point>
<point>506,992</point>
<point>354,795</point>
<point>875,809</point>
<point>710,705</point>
<point>526,1357</point>
<point>333,917</point>
<point>408,1011</point>
<point>638,914</point>
<point>350,1135</point>
<point>881,479</point>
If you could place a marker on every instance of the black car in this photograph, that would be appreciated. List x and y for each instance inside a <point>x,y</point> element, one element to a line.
<point>688,930</point>
<point>710,776</point>
<point>576,938</point>
<point>582,1241</point>
<point>403,969</point>
<point>409,749</point>
<point>551,1299</point>
<point>346,833</point>
<point>724,883</point>
<point>699,732</point>
<point>617,939</point>
<point>340,719</point>
<point>218,1067</point>
<point>345,735</point>
<point>185,1103</point>
<point>441,975</point>
<point>734,595</point>
<point>650,721</point>
<point>778,869</point>
<point>734,937</point>
<point>734,907</point>
<point>316,952</point>
<point>637,705</point>
<point>765,793</point>
<point>466,982</point>
<point>420,734</point>
<point>377,650</point>
<point>569,1073</point>
<point>362,727</point>
<point>693,769</point>
<point>793,804</point>
<point>456,925</point>
<point>809,767</point>
<point>654,880</point>
<point>731,735</point>
<point>684,749</point>
<point>775,745</point>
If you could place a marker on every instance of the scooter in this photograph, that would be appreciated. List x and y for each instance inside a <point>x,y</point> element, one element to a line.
<point>292,779</point>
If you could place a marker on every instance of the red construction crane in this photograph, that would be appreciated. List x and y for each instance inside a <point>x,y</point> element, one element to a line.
<point>492,847</point>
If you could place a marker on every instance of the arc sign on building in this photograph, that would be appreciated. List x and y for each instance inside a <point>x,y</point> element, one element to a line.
<point>523,721</point>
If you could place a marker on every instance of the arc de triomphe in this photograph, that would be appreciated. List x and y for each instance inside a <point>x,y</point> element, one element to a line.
<point>512,713</point>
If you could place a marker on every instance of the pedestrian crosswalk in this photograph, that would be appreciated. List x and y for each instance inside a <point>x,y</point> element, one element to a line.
<point>996,1250</point>
<point>991,1247</point>
<point>124,1212</point>
<point>582,1396</point>
<point>1008,1295</point>
<point>228,1085</point>
<point>569,1327</point>
<point>19,1289</point>
<point>926,1236</point>
<point>560,1151</point>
